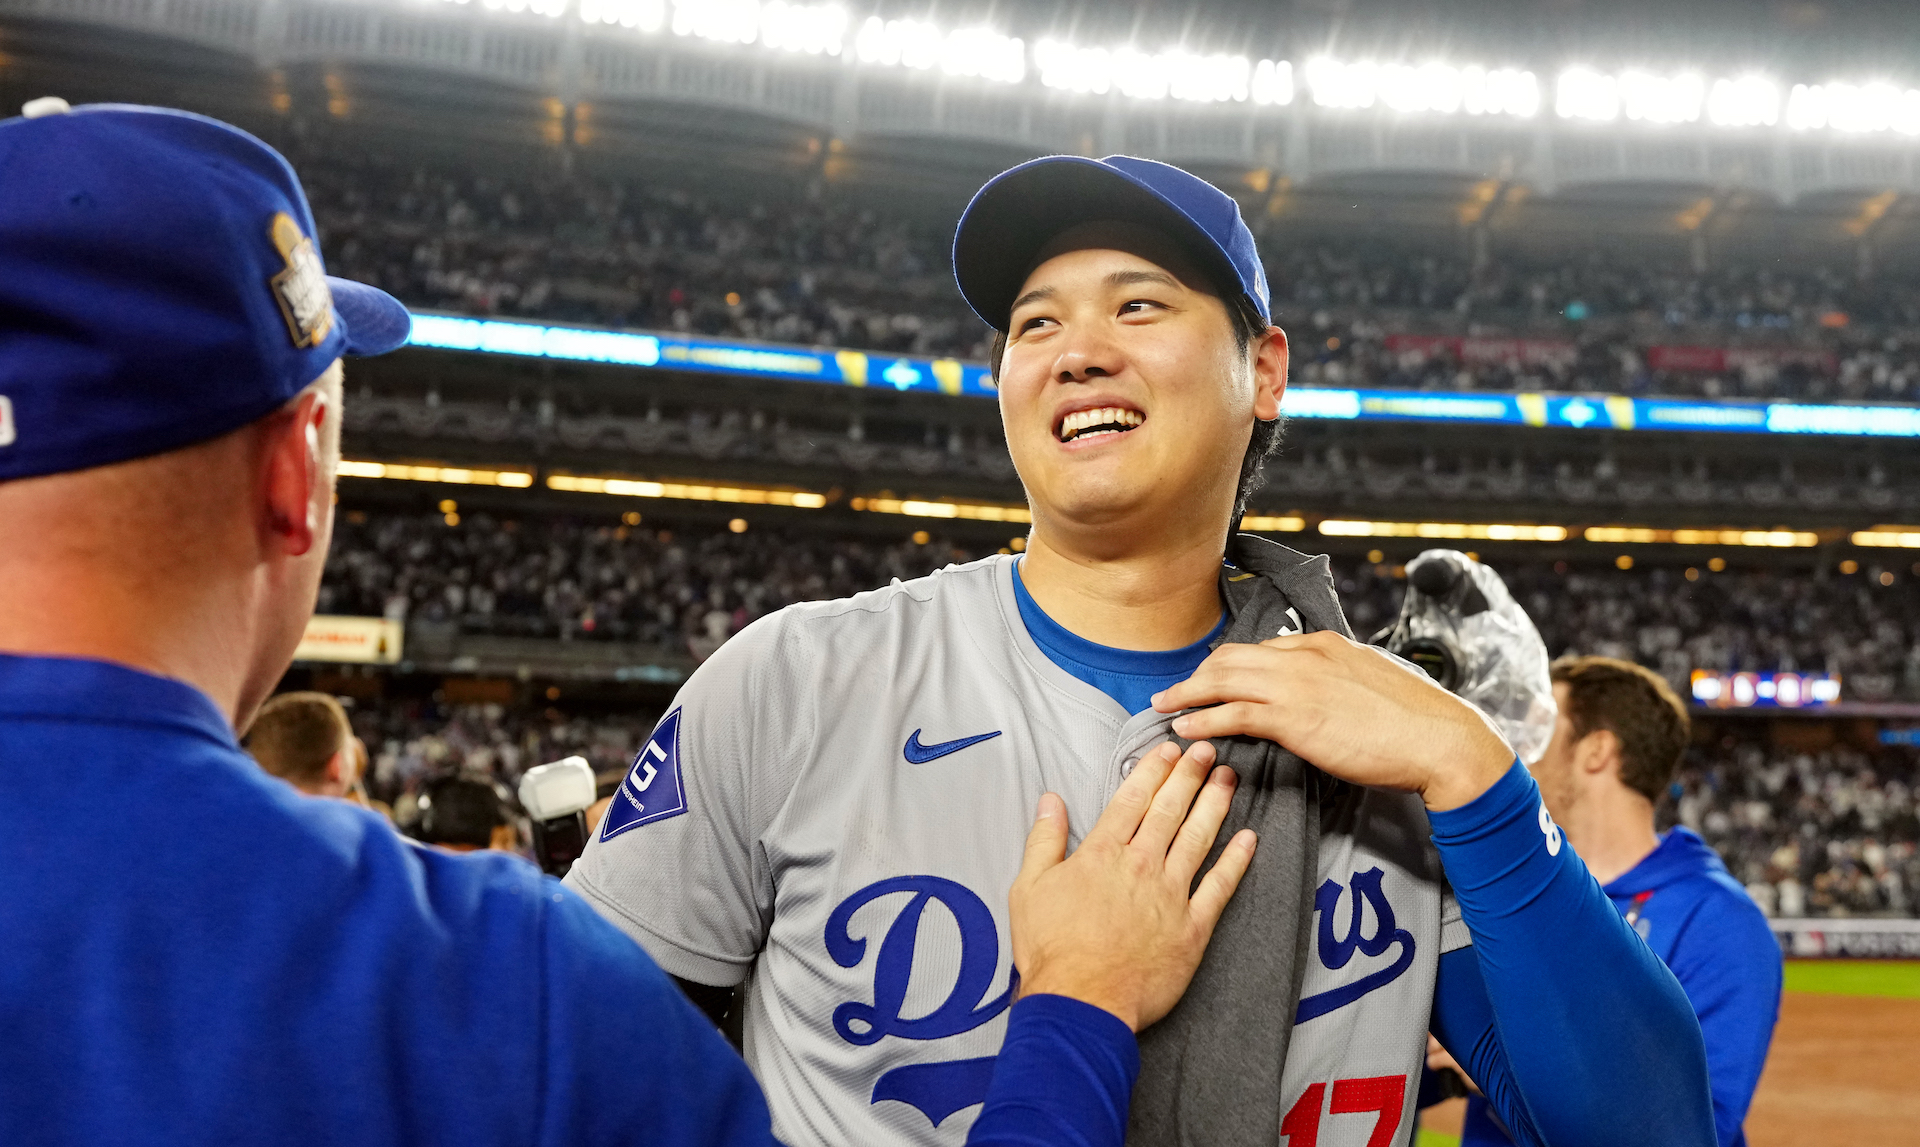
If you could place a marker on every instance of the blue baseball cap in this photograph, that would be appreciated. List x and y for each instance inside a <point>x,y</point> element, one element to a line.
<point>160,285</point>
<point>1020,210</point>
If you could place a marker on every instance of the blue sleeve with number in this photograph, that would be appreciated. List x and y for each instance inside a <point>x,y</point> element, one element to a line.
<point>1578,1034</point>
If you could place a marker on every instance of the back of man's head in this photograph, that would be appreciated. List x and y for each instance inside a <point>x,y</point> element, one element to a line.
<point>459,813</point>
<point>169,395</point>
<point>1637,706</point>
<point>306,740</point>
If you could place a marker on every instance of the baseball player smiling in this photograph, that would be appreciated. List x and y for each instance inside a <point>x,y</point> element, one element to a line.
<point>833,812</point>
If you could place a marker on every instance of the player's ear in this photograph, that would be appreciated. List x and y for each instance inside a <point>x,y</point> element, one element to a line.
<point>1598,752</point>
<point>1269,374</point>
<point>340,767</point>
<point>297,469</point>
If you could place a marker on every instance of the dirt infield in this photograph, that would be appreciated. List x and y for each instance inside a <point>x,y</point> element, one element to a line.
<point>1844,1070</point>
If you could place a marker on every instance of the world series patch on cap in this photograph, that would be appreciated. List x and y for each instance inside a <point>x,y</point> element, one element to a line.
<point>160,284</point>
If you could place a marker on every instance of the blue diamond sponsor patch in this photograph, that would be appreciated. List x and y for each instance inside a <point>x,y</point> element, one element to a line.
<point>652,790</point>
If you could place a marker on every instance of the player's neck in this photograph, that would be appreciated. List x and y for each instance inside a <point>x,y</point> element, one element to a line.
<point>1163,599</point>
<point>191,634</point>
<point>1611,827</point>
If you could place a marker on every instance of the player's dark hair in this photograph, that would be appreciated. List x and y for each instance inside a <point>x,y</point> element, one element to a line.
<point>1638,707</point>
<point>1265,441</point>
<point>457,810</point>
<point>1247,326</point>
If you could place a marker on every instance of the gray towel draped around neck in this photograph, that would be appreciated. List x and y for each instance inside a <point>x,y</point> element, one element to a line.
<point>1210,1071</point>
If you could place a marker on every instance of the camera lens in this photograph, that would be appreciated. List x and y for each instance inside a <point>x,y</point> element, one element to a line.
<point>1436,658</point>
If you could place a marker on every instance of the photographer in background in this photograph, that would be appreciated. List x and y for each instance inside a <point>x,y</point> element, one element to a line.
<point>460,814</point>
<point>306,740</point>
<point>1619,737</point>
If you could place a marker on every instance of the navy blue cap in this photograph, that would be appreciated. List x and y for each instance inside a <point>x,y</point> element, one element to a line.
<point>160,285</point>
<point>1020,210</point>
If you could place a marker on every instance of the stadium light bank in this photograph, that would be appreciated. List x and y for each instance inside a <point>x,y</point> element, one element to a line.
<point>1579,93</point>
<point>1907,537</point>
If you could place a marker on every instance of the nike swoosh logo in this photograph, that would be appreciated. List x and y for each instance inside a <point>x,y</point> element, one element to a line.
<point>920,754</point>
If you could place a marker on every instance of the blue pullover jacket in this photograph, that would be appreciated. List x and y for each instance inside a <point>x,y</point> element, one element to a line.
<point>194,953</point>
<point>1699,920</point>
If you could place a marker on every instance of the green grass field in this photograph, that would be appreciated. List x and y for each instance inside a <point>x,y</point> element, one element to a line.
<point>1428,1138</point>
<point>1892,979</point>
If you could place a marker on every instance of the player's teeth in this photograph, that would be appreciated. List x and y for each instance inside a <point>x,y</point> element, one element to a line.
<point>1079,420</point>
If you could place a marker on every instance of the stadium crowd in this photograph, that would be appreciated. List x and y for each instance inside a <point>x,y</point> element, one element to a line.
<point>410,742</point>
<point>575,249</point>
<point>574,580</point>
<point>1676,620</point>
<point>1827,833</point>
<point>563,579</point>
<point>818,267</point>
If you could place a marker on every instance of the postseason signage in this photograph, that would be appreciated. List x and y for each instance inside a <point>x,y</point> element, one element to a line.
<point>1765,690</point>
<point>675,351</point>
<point>361,640</point>
<point>1856,938</point>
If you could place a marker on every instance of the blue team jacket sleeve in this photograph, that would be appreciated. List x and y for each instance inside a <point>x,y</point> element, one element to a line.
<point>1595,1033</point>
<point>1063,1078</point>
<point>1729,964</point>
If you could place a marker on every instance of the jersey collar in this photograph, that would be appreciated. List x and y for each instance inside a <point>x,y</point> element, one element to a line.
<point>83,689</point>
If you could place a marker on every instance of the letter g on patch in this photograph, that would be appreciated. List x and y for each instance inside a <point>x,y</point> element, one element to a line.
<point>652,789</point>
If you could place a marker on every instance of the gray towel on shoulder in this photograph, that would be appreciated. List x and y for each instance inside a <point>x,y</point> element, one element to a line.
<point>1210,1071</point>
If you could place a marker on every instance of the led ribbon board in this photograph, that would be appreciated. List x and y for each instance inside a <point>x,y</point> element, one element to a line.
<point>1764,690</point>
<point>674,351</point>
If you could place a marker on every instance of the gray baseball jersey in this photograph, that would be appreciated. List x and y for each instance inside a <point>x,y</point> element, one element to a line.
<point>834,811</point>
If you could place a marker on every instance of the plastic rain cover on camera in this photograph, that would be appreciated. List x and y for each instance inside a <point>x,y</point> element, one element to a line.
<point>1502,660</point>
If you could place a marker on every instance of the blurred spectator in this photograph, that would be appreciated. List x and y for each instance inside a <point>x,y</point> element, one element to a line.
<point>460,814</point>
<point>1619,734</point>
<point>306,740</point>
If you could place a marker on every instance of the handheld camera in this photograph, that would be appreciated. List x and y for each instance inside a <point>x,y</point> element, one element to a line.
<point>1460,625</point>
<point>557,797</point>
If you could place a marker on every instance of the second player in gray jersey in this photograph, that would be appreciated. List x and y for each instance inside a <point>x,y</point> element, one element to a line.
<point>832,814</point>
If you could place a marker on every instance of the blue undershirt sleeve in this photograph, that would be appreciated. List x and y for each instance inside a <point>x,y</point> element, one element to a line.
<point>1463,1022</point>
<point>1064,1078</point>
<point>1594,1032</point>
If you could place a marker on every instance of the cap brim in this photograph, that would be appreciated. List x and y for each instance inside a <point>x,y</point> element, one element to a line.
<point>1020,210</point>
<point>374,321</point>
